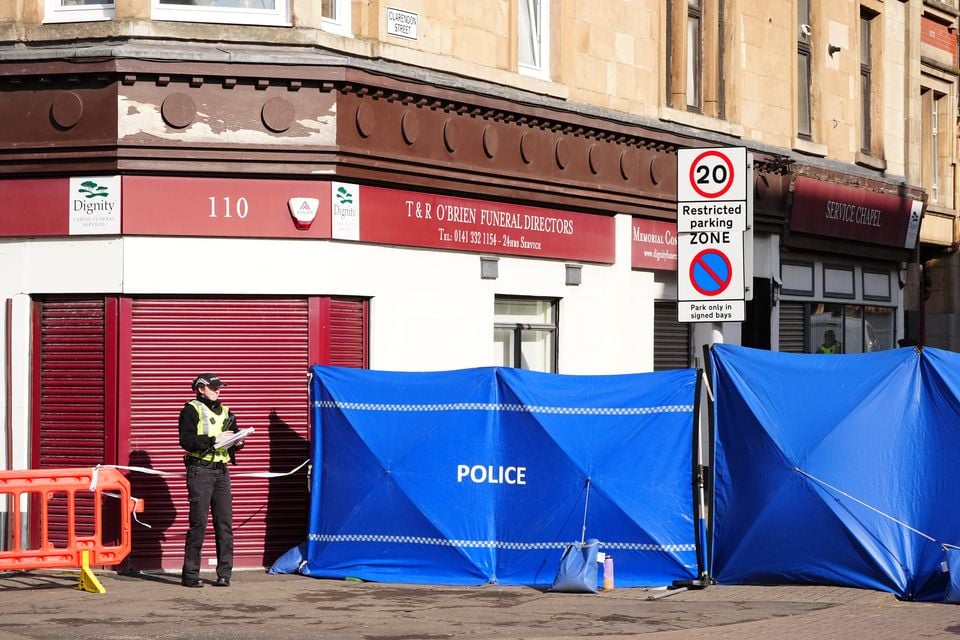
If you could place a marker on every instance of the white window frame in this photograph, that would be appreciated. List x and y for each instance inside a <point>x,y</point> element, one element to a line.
<point>539,354</point>
<point>541,40</point>
<point>340,24</point>
<point>54,11</point>
<point>279,16</point>
<point>935,146</point>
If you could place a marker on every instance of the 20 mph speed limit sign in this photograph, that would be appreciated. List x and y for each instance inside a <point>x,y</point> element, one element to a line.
<point>711,175</point>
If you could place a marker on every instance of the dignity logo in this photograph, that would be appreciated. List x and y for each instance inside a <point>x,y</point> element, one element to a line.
<point>95,205</point>
<point>345,211</point>
<point>91,189</point>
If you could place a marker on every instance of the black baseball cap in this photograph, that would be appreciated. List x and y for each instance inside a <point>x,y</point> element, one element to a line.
<point>211,380</point>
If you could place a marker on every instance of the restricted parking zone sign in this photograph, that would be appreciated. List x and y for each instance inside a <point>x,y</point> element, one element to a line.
<point>712,216</point>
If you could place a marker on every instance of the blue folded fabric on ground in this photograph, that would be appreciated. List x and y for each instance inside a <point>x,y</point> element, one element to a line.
<point>578,568</point>
<point>291,561</point>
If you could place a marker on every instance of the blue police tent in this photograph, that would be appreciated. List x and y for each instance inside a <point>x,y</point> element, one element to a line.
<point>484,475</point>
<point>836,470</point>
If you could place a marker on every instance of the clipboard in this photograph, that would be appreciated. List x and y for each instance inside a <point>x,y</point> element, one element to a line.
<point>228,438</point>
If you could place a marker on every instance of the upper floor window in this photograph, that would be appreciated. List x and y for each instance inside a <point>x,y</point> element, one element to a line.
<point>694,70</point>
<point>696,56</point>
<point>935,154</point>
<point>804,70</point>
<point>78,10</point>
<point>866,81</point>
<point>871,84</point>
<point>533,37</point>
<point>259,12</point>
<point>336,16</point>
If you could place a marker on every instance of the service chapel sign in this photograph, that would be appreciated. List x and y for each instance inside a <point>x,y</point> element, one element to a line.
<point>829,209</point>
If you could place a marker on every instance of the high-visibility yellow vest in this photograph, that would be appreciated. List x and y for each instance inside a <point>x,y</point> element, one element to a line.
<point>210,424</point>
<point>834,348</point>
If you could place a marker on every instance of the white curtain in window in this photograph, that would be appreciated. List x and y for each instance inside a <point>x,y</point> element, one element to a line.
<point>530,35</point>
<point>693,61</point>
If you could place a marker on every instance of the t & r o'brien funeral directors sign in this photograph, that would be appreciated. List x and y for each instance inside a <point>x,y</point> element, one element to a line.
<point>391,216</point>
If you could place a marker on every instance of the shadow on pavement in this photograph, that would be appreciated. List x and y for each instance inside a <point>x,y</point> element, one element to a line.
<point>26,580</point>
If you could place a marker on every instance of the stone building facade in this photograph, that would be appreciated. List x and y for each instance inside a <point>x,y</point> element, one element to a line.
<point>392,184</point>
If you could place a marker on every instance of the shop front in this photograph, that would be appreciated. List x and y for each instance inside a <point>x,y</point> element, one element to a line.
<point>842,267</point>
<point>166,276</point>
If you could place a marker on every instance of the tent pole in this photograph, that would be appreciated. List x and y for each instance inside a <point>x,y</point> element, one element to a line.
<point>698,481</point>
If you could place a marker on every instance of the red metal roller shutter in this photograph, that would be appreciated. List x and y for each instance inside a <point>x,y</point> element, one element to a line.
<point>260,348</point>
<point>348,333</point>
<point>69,383</point>
<point>73,396</point>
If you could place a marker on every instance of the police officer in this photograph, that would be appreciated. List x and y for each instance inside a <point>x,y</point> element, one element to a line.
<point>208,481</point>
<point>830,344</point>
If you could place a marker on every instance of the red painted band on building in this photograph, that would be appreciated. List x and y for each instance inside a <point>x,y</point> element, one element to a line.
<point>233,207</point>
<point>653,245</point>
<point>221,207</point>
<point>37,207</point>
<point>390,216</point>
<point>837,211</point>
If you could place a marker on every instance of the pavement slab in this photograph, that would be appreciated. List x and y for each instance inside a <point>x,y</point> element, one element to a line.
<point>44,605</point>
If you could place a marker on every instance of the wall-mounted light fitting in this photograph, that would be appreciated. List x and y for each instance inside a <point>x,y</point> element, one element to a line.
<point>573,274</point>
<point>832,49</point>
<point>489,267</point>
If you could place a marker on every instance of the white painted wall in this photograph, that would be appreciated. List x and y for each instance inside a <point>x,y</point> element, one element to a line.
<point>430,310</point>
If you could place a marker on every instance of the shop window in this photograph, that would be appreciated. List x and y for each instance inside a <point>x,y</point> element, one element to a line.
<point>533,38</point>
<point>804,70</point>
<point>695,56</point>
<point>336,16</point>
<point>832,328</point>
<point>825,335</point>
<point>880,328</point>
<point>78,10</point>
<point>258,12</point>
<point>525,333</point>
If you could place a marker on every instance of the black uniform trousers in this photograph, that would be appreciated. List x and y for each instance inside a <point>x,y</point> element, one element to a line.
<point>208,487</point>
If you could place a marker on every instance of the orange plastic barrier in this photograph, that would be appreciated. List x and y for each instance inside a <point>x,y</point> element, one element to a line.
<point>79,551</point>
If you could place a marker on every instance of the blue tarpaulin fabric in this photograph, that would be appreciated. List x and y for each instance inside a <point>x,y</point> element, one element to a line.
<point>477,476</point>
<point>836,470</point>
<point>952,595</point>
